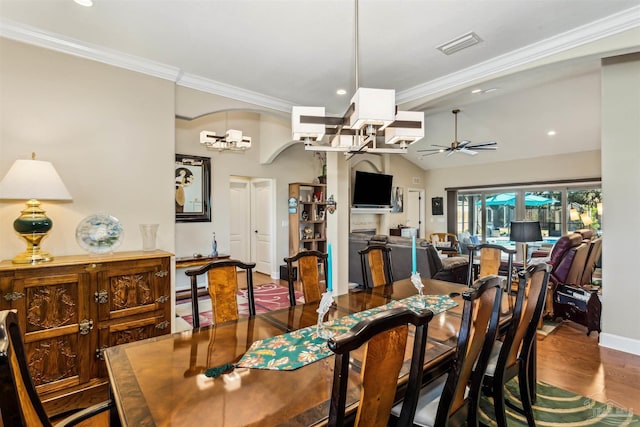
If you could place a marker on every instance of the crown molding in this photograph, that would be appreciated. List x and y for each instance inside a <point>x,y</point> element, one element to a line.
<point>30,35</point>
<point>33,36</point>
<point>611,25</point>
<point>217,88</point>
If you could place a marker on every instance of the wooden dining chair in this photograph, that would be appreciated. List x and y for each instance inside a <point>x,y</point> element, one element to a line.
<point>309,274</point>
<point>490,260</point>
<point>222,283</point>
<point>447,243</point>
<point>454,396</point>
<point>20,405</point>
<point>513,356</point>
<point>385,335</point>
<point>376,262</point>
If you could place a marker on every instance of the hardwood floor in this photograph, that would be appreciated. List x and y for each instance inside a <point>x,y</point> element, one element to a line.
<point>570,359</point>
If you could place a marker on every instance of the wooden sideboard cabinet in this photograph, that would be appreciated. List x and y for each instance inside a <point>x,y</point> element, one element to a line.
<point>74,307</point>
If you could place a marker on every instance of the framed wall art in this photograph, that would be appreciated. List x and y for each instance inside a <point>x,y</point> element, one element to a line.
<point>193,191</point>
<point>437,207</point>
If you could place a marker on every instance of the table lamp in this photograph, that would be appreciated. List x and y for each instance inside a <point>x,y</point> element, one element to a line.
<point>33,180</point>
<point>523,232</point>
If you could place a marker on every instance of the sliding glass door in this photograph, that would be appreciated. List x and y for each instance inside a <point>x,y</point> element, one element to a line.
<point>485,216</point>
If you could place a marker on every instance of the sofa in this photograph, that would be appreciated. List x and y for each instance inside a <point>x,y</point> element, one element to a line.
<point>428,262</point>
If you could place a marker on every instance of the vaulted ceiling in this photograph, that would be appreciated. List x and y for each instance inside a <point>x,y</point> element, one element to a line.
<point>541,58</point>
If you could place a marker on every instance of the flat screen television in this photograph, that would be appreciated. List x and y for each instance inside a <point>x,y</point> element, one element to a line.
<point>372,190</point>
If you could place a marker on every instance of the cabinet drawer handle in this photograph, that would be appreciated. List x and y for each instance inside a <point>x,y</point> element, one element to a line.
<point>101,296</point>
<point>162,273</point>
<point>162,299</point>
<point>85,326</point>
<point>13,296</point>
<point>100,352</point>
<point>163,325</point>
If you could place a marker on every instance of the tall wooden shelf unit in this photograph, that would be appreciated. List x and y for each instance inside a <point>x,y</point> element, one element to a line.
<point>72,308</point>
<point>307,217</point>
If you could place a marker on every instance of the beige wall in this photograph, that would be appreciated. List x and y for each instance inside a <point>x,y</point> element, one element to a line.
<point>621,192</point>
<point>108,132</point>
<point>294,164</point>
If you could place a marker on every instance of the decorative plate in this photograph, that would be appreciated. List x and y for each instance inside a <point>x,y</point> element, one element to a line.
<point>99,234</point>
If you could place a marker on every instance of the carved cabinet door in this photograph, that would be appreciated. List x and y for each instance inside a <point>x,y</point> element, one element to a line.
<point>55,318</point>
<point>133,302</point>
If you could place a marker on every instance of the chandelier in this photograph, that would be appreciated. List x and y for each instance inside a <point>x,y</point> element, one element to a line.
<point>232,140</point>
<point>371,124</point>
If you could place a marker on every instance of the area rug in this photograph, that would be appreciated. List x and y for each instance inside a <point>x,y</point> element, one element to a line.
<point>268,297</point>
<point>548,326</point>
<point>557,407</point>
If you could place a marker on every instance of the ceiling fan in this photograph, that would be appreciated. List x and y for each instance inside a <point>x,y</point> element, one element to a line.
<point>466,147</point>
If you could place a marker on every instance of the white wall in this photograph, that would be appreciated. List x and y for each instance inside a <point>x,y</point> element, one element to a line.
<point>621,192</point>
<point>108,132</point>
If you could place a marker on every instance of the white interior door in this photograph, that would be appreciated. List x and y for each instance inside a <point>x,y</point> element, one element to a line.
<point>415,211</point>
<point>240,225</point>
<point>262,224</point>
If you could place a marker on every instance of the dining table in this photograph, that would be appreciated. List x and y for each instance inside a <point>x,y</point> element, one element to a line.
<point>166,380</point>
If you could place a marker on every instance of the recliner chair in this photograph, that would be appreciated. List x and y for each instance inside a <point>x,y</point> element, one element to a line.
<point>451,269</point>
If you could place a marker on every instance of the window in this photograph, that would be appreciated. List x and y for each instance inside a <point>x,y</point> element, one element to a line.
<point>486,215</point>
<point>585,209</point>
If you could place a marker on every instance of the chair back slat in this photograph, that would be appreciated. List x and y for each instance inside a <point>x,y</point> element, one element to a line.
<point>376,262</point>
<point>383,360</point>
<point>223,288</point>
<point>490,259</point>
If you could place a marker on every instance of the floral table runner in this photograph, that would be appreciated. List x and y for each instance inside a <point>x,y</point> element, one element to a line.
<point>302,347</point>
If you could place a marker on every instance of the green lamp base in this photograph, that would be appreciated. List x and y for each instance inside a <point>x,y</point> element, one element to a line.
<point>32,225</point>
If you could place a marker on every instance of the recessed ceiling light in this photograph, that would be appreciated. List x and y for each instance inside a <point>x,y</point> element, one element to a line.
<point>476,91</point>
<point>85,3</point>
<point>341,92</point>
<point>551,133</point>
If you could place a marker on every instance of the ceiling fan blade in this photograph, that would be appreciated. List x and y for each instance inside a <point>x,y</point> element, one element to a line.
<point>451,152</point>
<point>483,144</point>
<point>429,154</point>
<point>441,146</point>
<point>467,151</point>
<point>435,150</point>
<point>484,148</point>
<point>463,144</point>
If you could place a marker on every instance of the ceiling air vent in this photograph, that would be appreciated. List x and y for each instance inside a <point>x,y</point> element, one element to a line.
<point>459,43</point>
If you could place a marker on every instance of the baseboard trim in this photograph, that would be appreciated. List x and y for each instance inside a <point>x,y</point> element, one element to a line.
<point>617,342</point>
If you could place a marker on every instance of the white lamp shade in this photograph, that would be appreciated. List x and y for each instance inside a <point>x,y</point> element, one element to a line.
<point>302,131</point>
<point>393,135</point>
<point>33,179</point>
<point>233,135</point>
<point>245,142</point>
<point>373,107</point>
